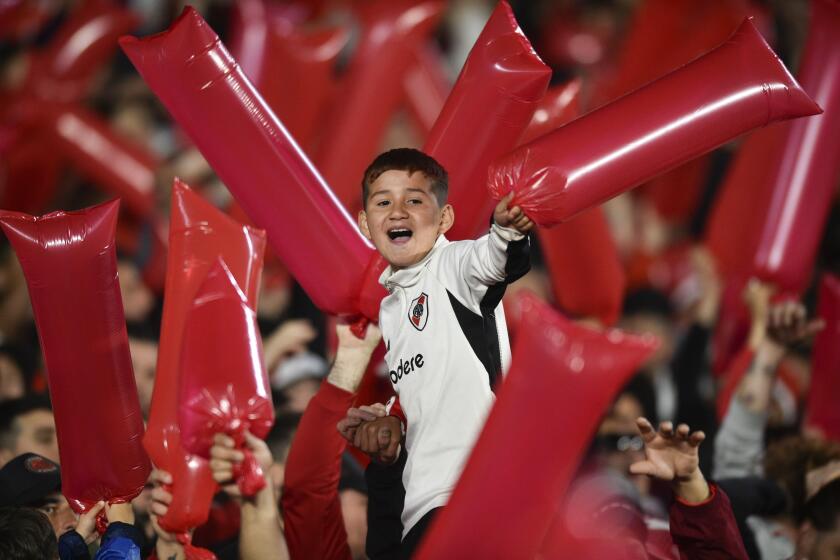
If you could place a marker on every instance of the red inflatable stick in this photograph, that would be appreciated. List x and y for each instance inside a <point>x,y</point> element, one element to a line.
<point>70,263</point>
<point>562,379</point>
<point>293,69</point>
<point>372,89</point>
<point>224,386</point>
<point>739,86</point>
<point>808,168</point>
<point>193,74</point>
<point>426,86</point>
<point>299,78</point>
<point>587,277</point>
<point>198,235</point>
<point>735,223</point>
<point>125,169</point>
<point>63,70</point>
<point>490,106</point>
<point>822,412</point>
<point>559,105</point>
<point>665,34</point>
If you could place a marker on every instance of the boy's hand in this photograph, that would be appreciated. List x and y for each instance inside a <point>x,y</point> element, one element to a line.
<point>672,456</point>
<point>86,527</point>
<point>511,217</point>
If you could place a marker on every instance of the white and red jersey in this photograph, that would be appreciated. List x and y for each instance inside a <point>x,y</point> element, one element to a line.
<point>444,330</point>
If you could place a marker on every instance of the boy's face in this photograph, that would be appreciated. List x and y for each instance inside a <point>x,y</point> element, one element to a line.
<point>402,217</point>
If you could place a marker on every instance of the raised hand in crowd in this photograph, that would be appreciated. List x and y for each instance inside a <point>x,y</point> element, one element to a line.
<point>352,356</point>
<point>86,526</point>
<point>291,337</point>
<point>709,285</point>
<point>167,545</point>
<point>672,455</point>
<point>775,328</point>
<point>261,535</point>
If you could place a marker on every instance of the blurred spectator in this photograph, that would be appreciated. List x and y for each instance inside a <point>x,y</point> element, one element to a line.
<point>32,481</point>
<point>12,381</point>
<point>138,300</point>
<point>144,349</point>
<point>27,425</point>
<point>298,379</point>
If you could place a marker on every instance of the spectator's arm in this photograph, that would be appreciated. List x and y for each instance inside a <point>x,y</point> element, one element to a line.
<point>706,530</point>
<point>311,506</point>
<point>702,524</point>
<point>261,533</point>
<point>740,441</point>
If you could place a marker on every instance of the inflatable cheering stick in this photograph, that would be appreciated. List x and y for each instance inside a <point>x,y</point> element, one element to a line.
<point>293,69</point>
<point>822,412</point>
<point>372,89</point>
<point>126,169</point>
<point>193,74</point>
<point>562,378</point>
<point>587,277</point>
<point>484,116</point>
<point>63,70</point>
<point>735,223</point>
<point>807,170</point>
<point>426,87</point>
<point>559,105</point>
<point>198,235</point>
<point>224,386</point>
<point>70,263</point>
<point>299,80</point>
<point>733,89</point>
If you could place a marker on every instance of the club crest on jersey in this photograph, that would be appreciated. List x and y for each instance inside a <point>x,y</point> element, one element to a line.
<point>418,311</point>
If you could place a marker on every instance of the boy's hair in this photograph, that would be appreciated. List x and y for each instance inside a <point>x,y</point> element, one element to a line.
<point>26,534</point>
<point>410,160</point>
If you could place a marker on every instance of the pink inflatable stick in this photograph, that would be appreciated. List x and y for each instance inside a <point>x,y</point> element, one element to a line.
<point>735,88</point>
<point>224,387</point>
<point>562,378</point>
<point>490,106</point>
<point>807,171</point>
<point>70,263</point>
<point>194,75</point>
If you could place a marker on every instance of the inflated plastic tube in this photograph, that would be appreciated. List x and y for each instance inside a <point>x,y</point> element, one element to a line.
<point>190,70</point>
<point>822,412</point>
<point>489,107</point>
<point>198,235</point>
<point>371,90</point>
<point>224,387</point>
<point>70,264</point>
<point>807,170</point>
<point>733,89</point>
<point>562,378</point>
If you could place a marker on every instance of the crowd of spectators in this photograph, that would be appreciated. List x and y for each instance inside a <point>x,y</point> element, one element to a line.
<point>783,481</point>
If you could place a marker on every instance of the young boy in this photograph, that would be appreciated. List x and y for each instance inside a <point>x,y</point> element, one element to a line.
<point>442,321</point>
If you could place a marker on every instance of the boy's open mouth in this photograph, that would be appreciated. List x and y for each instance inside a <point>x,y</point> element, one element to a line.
<point>400,235</point>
